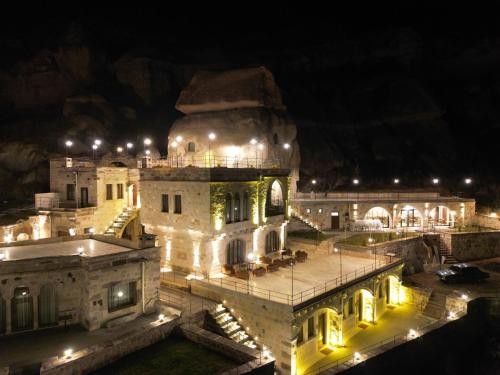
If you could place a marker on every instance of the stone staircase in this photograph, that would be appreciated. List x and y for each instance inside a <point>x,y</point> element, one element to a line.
<point>299,224</point>
<point>436,306</point>
<point>121,221</point>
<point>231,327</point>
<point>444,252</point>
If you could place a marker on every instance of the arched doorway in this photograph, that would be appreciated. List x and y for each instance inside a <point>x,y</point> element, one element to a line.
<point>392,290</point>
<point>379,214</point>
<point>365,308</point>
<point>272,242</point>
<point>47,306</point>
<point>275,199</point>
<point>439,216</point>
<point>22,309</point>
<point>409,217</point>
<point>235,252</point>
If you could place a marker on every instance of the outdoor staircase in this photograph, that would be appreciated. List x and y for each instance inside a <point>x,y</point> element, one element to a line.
<point>121,221</point>
<point>436,306</point>
<point>297,224</point>
<point>231,328</point>
<point>443,252</point>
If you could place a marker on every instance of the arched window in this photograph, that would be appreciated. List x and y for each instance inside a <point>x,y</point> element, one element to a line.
<point>272,242</point>
<point>274,201</point>
<point>3,314</point>
<point>191,147</point>
<point>47,307</point>
<point>235,252</point>
<point>245,208</point>
<point>236,214</point>
<point>275,139</point>
<point>22,309</point>
<point>229,208</point>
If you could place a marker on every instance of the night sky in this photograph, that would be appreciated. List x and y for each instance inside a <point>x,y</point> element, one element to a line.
<point>410,91</point>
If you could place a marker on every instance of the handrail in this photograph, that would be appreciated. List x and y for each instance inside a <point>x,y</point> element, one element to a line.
<point>214,161</point>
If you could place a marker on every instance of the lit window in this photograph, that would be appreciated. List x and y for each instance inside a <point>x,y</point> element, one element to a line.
<point>320,210</point>
<point>122,295</point>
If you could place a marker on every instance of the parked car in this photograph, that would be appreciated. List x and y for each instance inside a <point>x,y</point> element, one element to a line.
<point>462,273</point>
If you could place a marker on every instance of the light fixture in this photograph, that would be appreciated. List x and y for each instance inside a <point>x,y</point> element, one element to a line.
<point>80,250</point>
<point>313,182</point>
<point>147,141</point>
<point>119,149</point>
<point>468,181</point>
<point>68,143</point>
<point>224,302</point>
<point>178,138</point>
<point>130,145</point>
<point>253,141</point>
<point>174,144</point>
<point>232,310</point>
<point>98,142</point>
<point>435,181</point>
<point>250,256</point>
<point>412,333</point>
<point>452,315</point>
<point>68,352</point>
<point>396,181</point>
<point>260,146</point>
<point>266,353</point>
<point>357,356</point>
<point>370,240</point>
<point>239,319</point>
<point>286,146</point>
<point>335,249</point>
<point>355,181</point>
<point>119,294</point>
<point>147,152</point>
<point>161,317</point>
<point>464,296</point>
<point>95,147</point>
<point>211,136</point>
<point>24,293</point>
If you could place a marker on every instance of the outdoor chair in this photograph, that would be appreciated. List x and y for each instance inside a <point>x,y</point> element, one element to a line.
<point>228,269</point>
<point>273,267</point>
<point>242,274</point>
<point>261,271</point>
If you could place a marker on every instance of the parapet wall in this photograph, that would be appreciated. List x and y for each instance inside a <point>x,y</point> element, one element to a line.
<point>473,245</point>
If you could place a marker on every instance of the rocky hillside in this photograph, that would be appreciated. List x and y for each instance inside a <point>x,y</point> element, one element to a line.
<point>375,103</point>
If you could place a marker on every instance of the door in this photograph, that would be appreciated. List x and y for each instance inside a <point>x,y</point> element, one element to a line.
<point>322,327</point>
<point>84,197</point>
<point>335,220</point>
<point>360,306</point>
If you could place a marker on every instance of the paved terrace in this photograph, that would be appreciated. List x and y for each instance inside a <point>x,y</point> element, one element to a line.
<point>320,273</point>
<point>377,196</point>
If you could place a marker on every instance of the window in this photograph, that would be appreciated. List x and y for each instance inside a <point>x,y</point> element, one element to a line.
<point>235,252</point>
<point>164,203</point>
<point>22,309</point>
<point>191,147</point>
<point>272,242</point>
<point>119,191</point>
<point>122,295</point>
<point>320,210</point>
<point>47,307</point>
<point>178,204</point>
<point>237,207</point>
<point>300,336</point>
<point>229,208</point>
<point>351,305</point>
<point>275,201</point>
<point>70,192</point>
<point>308,210</point>
<point>245,208</point>
<point>275,139</point>
<point>109,192</point>
<point>310,327</point>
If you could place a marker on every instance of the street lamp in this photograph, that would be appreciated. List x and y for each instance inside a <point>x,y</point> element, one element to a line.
<point>355,181</point>
<point>286,146</point>
<point>98,142</point>
<point>211,137</point>
<point>119,149</point>
<point>147,141</point>
<point>261,147</point>
<point>174,144</point>
<point>178,138</point>
<point>435,181</point>
<point>313,182</point>
<point>468,181</point>
<point>396,181</point>
<point>254,142</point>
<point>147,152</point>
<point>68,144</point>
<point>94,149</point>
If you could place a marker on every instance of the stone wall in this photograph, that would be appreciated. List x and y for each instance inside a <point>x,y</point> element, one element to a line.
<point>417,297</point>
<point>100,355</point>
<point>486,221</point>
<point>269,321</point>
<point>473,245</point>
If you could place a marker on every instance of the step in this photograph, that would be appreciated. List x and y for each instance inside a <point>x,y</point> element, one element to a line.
<point>226,322</point>
<point>218,313</point>
<point>234,331</point>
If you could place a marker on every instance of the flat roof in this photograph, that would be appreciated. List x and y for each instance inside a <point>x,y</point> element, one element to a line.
<point>91,248</point>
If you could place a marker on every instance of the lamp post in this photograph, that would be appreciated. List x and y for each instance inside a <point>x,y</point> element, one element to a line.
<point>250,259</point>
<point>174,144</point>
<point>211,137</point>
<point>119,150</point>
<point>94,150</point>
<point>286,147</point>
<point>130,145</point>
<point>254,142</point>
<point>147,142</point>
<point>261,147</point>
<point>68,144</point>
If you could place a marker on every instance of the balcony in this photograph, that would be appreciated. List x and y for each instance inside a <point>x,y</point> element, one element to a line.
<point>212,162</point>
<point>52,201</point>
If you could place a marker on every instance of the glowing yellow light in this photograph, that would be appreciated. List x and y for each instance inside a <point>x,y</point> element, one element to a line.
<point>161,317</point>
<point>196,254</point>
<point>68,352</point>
<point>168,250</point>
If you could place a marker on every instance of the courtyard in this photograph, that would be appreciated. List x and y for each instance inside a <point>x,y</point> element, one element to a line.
<point>320,273</point>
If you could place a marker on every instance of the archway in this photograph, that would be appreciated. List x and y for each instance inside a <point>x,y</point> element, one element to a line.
<point>365,308</point>
<point>409,217</point>
<point>22,309</point>
<point>439,216</point>
<point>392,290</point>
<point>379,214</point>
<point>275,199</point>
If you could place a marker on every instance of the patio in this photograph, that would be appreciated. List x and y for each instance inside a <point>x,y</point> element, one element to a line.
<point>297,283</point>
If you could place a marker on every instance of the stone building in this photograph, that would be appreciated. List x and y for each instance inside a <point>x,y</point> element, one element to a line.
<point>379,210</point>
<point>234,118</point>
<point>88,196</point>
<point>88,280</point>
<point>207,217</point>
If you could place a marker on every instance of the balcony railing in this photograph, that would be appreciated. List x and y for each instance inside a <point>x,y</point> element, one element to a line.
<point>212,162</point>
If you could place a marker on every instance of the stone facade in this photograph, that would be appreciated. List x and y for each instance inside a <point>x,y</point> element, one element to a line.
<point>473,245</point>
<point>318,209</point>
<point>81,283</point>
<point>195,239</point>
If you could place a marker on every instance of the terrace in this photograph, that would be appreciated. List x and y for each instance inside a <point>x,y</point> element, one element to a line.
<point>295,284</point>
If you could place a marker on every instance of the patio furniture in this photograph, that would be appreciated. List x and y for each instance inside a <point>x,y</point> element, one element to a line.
<point>280,262</point>
<point>265,260</point>
<point>260,271</point>
<point>273,267</point>
<point>228,269</point>
<point>242,274</point>
<point>300,256</point>
<point>287,252</point>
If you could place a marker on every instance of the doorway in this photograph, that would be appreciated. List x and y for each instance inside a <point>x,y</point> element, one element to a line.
<point>335,220</point>
<point>84,197</point>
<point>322,327</point>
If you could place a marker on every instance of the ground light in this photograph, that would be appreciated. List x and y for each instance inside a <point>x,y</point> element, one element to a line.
<point>357,357</point>
<point>161,317</point>
<point>412,333</point>
<point>68,352</point>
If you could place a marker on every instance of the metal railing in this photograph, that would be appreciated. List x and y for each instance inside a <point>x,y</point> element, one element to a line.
<point>373,349</point>
<point>212,162</point>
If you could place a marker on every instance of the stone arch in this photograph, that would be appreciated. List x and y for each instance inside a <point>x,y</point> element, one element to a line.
<point>329,327</point>
<point>439,215</point>
<point>275,199</point>
<point>22,309</point>
<point>364,304</point>
<point>381,214</point>
<point>409,217</point>
<point>47,306</point>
